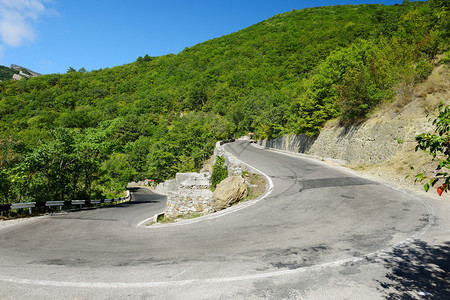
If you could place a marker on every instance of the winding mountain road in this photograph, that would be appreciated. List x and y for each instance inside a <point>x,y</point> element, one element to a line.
<point>322,233</point>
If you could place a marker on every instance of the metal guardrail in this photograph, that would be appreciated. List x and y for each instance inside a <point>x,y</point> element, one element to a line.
<point>12,206</point>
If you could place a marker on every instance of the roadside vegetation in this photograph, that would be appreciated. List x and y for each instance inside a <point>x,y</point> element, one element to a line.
<point>166,220</point>
<point>87,134</point>
<point>219,172</point>
<point>256,185</point>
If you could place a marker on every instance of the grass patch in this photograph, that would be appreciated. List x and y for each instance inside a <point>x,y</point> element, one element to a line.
<point>160,218</point>
<point>256,185</point>
<point>165,220</point>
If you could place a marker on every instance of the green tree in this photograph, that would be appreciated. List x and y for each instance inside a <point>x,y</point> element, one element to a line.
<point>220,171</point>
<point>9,156</point>
<point>119,172</point>
<point>90,150</point>
<point>441,18</point>
<point>137,155</point>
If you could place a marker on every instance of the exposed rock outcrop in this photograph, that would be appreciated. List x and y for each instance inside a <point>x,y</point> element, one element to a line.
<point>229,191</point>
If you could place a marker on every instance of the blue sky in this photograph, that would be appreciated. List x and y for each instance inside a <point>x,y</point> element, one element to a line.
<point>49,36</point>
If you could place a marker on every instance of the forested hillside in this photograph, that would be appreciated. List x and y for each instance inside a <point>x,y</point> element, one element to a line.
<point>7,73</point>
<point>86,134</point>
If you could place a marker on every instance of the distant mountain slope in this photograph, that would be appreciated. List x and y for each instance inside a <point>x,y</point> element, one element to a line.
<point>16,72</point>
<point>25,71</point>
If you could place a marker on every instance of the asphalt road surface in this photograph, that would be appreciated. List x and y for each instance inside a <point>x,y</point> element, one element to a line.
<point>322,233</point>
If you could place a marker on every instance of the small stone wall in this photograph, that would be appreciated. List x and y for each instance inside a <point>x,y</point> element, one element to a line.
<point>234,166</point>
<point>166,187</point>
<point>292,143</point>
<point>188,193</point>
<point>188,202</point>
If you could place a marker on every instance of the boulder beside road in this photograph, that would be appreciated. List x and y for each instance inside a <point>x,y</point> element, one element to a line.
<point>229,191</point>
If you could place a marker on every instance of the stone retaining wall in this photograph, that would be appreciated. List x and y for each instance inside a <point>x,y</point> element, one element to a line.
<point>166,187</point>
<point>188,193</point>
<point>291,143</point>
<point>234,166</point>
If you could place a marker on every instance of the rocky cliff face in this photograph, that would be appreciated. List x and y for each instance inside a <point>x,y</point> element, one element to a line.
<point>370,142</point>
<point>373,141</point>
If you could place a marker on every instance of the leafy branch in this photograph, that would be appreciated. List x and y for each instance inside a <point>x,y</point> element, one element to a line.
<point>434,145</point>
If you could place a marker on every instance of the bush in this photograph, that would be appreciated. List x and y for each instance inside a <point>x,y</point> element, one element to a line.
<point>220,171</point>
<point>423,70</point>
<point>446,58</point>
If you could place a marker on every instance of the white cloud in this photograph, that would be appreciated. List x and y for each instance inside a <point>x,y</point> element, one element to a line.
<point>17,18</point>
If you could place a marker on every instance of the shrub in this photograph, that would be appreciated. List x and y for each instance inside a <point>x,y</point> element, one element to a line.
<point>423,70</point>
<point>220,171</point>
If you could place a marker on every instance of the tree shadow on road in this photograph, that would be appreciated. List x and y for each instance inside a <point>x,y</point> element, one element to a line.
<point>418,271</point>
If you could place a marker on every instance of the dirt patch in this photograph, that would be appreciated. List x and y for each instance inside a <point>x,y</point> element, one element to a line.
<point>207,165</point>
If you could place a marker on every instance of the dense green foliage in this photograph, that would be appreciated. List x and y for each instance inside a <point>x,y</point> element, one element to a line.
<point>83,134</point>
<point>7,73</point>
<point>219,173</point>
